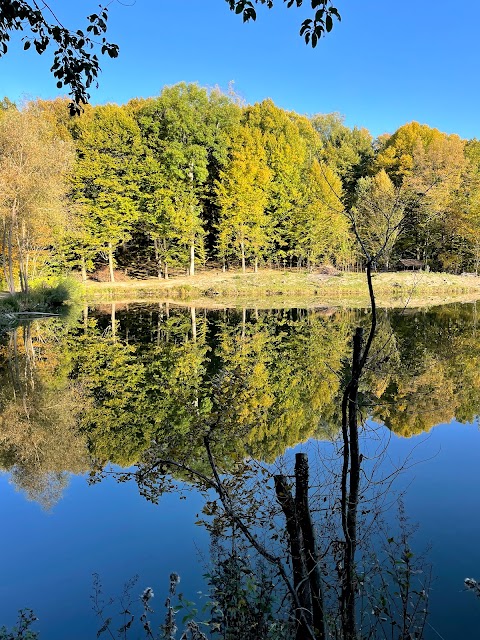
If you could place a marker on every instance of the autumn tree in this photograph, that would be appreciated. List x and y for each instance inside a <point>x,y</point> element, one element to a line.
<point>39,409</point>
<point>319,230</point>
<point>462,222</point>
<point>378,215</point>
<point>242,192</point>
<point>290,143</point>
<point>429,164</point>
<point>33,165</point>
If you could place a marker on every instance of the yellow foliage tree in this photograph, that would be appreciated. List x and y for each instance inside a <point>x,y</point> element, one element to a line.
<point>34,161</point>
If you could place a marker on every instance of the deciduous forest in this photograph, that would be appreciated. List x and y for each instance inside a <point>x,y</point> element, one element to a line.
<point>195,178</point>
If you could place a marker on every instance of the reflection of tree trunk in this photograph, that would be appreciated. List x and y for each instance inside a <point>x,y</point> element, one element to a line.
<point>312,557</point>
<point>114,320</point>
<point>29,353</point>
<point>349,499</point>
<point>299,569</point>
<point>244,322</point>
<point>194,323</point>
<point>85,318</point>
<point>304,554</point>
<point>159,323</point>
<point>110,262</point>
<point>15,366</point>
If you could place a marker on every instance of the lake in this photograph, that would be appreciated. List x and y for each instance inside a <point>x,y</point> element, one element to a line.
<point>115,389</point>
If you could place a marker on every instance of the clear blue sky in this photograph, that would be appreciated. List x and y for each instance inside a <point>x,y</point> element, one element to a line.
<point>388,62</point>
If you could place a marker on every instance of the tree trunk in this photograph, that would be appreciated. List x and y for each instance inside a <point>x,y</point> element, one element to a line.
<point>110,262</point>
<point>10,279</point>
<point>242,245</point>
<point>114,321</point>
<point>85,318</point>
<point>256,265</point>
<point>158,260</point>
<point>84,270</point>
<point>165,270</point>
<point>20,236</point>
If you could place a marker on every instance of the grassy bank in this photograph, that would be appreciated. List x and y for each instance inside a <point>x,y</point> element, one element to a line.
<point>292,288</point>
<point>44,298</point>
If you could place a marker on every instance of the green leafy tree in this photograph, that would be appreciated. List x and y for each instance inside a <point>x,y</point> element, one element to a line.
<point>319,230</point>
<point>185,131</point>
<point>242,192</point>
<point>348,151</point>
<point>105,182</point>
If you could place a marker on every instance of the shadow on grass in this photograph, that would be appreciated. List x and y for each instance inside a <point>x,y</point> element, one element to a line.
<point>53,298</point>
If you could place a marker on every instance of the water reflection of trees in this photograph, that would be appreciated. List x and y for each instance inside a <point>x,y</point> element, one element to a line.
<point>39,442</point>
<point>270,379</point>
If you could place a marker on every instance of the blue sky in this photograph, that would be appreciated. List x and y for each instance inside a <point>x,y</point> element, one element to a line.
<point>388,62</point>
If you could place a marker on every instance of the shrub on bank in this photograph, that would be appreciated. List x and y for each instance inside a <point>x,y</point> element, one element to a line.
<point>44,297</point>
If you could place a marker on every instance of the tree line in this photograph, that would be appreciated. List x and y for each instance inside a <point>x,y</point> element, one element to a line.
<point>194,177</point>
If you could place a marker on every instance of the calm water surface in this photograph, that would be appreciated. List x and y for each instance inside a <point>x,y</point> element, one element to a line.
<point>99,390</point>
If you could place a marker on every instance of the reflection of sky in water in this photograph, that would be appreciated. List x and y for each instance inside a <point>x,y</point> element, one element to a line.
<point>49,558</point>
<point>108,528</point>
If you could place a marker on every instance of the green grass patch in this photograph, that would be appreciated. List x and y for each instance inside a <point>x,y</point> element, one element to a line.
<point>54,296</point>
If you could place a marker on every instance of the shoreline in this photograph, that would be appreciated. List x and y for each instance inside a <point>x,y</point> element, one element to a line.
<point>269,288</point>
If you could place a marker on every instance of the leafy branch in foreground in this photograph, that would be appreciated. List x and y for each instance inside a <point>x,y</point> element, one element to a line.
<point>74,63</point>
<point>312,29</point>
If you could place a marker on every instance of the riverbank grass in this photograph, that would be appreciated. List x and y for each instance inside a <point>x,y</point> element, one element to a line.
<point>47,296</point>
<point>309,289</point>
